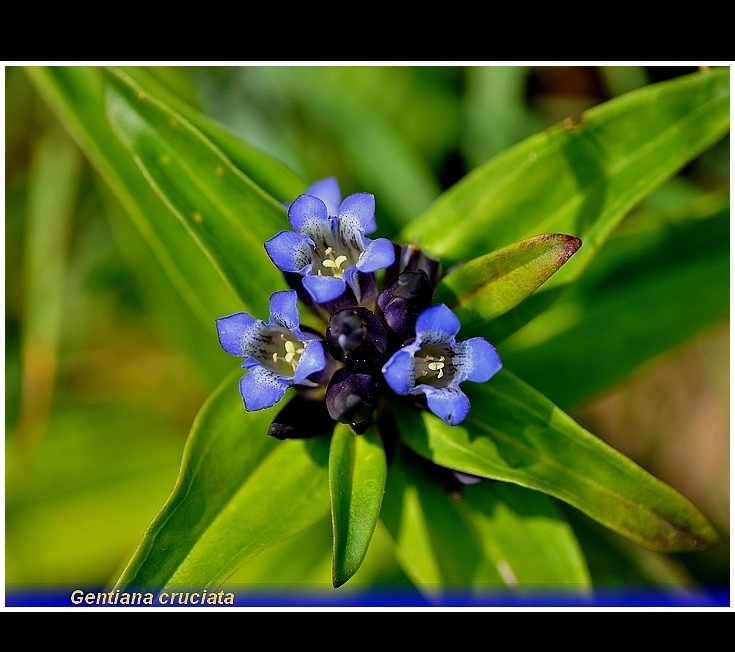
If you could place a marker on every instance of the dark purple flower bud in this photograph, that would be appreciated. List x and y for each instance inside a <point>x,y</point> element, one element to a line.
<point>410,258</point>
<point>357,337</point>
<point>303,417</point>
<point>403,301</point>
<point>352,397</point>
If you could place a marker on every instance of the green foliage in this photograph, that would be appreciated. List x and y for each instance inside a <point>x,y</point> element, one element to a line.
<point>542,261</point>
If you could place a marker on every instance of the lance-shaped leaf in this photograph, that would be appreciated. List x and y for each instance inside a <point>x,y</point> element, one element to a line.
<point>224,211</point>
<point>238,493</point>
<point>491,536</point>
<point>526,540</point>
<point>647,292</point>
<point>435,545</point>
<point>515,434</point>
<point>357,470</point>
<point>579,178</point>
<point>489,286</point>
<point>76,95</point>
<point>271,175</point>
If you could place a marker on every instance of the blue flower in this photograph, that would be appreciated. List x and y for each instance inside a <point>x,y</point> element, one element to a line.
<point>277,354</point>
<point>328,246</point>
<point>434,364</point>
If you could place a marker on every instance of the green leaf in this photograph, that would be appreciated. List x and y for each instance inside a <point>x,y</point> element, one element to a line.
<point>224,211</point>
<point>515,434</point>
<point>492,536</point>
<point>579,179</point>
<point>677,272</point>
<point>616,561</point>
<point>52,189</point>
<point>489,286</point>
<point>238,493</point>
<point>268,173</point>
<point>76,95</point>
<point>435,545</point>
<point>357,470</point>
<point>526,540</point>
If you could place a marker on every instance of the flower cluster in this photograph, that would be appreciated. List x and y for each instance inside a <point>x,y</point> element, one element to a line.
<point>375,342</point>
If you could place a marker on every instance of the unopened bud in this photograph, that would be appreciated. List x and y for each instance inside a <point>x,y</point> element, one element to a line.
<point>352,397</point>
<point>403,301</point>
<point>357,337</point>
<point>303,417</point>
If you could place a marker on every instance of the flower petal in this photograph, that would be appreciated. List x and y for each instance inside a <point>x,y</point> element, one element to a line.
<point>357,212</point>
<point>261,389</point>
<point>324,288</point>
<point>400,371</point>
<point>328,191</point>
<point>379,254</point>
<point>307,213</point>
<point>476,360</point>
<point>235,331</point>
<point>284,309</point>
<point>312,360</point>
<point>448,403</point>
<point>352,278</point>
<point>289,251</point>
<point>437,324</point>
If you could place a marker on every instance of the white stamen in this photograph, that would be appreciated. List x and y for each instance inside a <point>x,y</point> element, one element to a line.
<point>290,351</point>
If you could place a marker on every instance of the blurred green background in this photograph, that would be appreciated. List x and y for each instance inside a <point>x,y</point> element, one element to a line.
<point>106,367</point>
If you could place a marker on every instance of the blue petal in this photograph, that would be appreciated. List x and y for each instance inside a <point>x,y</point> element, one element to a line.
<point>400,371</point>
<point>236,330</point>
<point>437,324</point>
<point>312,360</point>
<point>324,288</point>
<point>328,191</point>
<point>289,251</point>
<point>284,309</point>
<point>305,211</point>
<point>379,254</point>
<point>261,389</point>
<point>351,278</point>
<point>357,212</point>
<point>448,403</point>
<point>475,359</point>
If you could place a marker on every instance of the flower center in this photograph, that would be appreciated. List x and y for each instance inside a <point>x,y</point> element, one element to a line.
<point>282,352</point>
<point>434,365</point>
<point>332,263</point>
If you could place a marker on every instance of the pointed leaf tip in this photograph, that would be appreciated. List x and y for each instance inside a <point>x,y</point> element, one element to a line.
<point>489,286</point>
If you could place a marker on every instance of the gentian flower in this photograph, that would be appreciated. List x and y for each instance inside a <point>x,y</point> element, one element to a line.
<point>328,247</point>
<point>434,364</point>
<point>277,354</point>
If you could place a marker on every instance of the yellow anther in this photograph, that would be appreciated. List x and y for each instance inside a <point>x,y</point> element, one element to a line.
<point>339,260</point>
<point>275,357</point>
<point>436,366</point>
<point>328,251</point>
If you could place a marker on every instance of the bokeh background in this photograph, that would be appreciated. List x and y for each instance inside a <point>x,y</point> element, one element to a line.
<point>105,369</point>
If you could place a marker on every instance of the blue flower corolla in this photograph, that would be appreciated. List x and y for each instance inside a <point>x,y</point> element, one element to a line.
<point>434,364</point>
<point>277,354</point>
<point>328,246</point>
